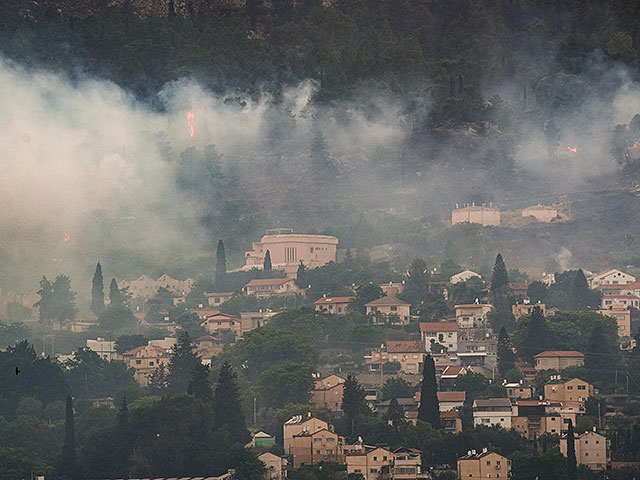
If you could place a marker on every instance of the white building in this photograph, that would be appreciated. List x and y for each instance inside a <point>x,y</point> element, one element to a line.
<point>444,333</point>
<point>463,276</point>
<point>492,411</point>
<point>106,349</point>
<point>612,276</point>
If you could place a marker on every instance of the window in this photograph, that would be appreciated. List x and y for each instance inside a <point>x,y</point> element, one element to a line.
<point>488,463</point>
<point>151,363</point>
<point>375,459</point>
<point>582,387</point>
<point>373,470</point>
<point>394,308</point>
<point>569,387</point>
<point>138,362</point>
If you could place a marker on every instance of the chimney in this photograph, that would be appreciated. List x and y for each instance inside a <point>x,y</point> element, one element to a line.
<point>473,452</point>
<point>484,450</point>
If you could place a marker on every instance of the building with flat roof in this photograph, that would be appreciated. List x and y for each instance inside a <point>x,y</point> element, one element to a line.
<point>485,216</point>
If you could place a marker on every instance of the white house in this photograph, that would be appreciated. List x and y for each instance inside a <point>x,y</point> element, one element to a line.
<point>463,276</point>
<point>492,411</point>
<point>612,276</point>
<point>444,333</point>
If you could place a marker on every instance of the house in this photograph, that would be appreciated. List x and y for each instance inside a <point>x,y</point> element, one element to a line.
<point>542,213</point>
<point>276,466</point>
<point>548,278</point>
<point>519,289</point>
<point>620,301</point>
<point>287,250</point>
<point>252,320</point>
<point>443,333</point>
<point>612,276</point>
<point>472,315</point>
<point>449,401</point>
<point>532,418</point>
<point>167,343</point>
<point>106,349</point>
<point>592,450</point>
<point>408,353</point>
<point>145,360</point>
<point>519,390</point>
<point>327,393</point>
<point>451,421</point>
<point>571,393</point>
<point>623,318</point>
<point>298,424</point>
<point>407,465</point>
<point>392,289</point>
<point>266,287</point>
<point>492,411</point>
<point>334,305</point>
<point>485,216</point>
<point>370,462</point>
<point>323,445</point>
<point>389,310</point>
<point>261,439</point>
<point>450,374</point>
<point>463,276</point>
<point>526,308</point>
<point>146,287</point>
<point>485,464</point>
<point>223,322</point>
<point>558,360</point>
<point>207,347</point>
<point>217,299</point>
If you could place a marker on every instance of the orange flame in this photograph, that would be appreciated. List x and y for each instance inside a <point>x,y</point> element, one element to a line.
<point>573,149</point>
<point>190,116</point>
<point>67,237</point>
<point>635,145</point>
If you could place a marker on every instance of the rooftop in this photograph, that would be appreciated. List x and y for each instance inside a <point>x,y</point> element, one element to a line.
<point>452,396</point>
<point>559,353</point>
<point>268,282</point>
<point>331,300</point>
<point>388,300</point>
<point>402,346</point>
<point>492,402</point>
<point>439,326</point>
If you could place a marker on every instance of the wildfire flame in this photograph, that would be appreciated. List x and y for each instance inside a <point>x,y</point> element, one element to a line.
<point>190,116</point>
<point>635,145</point>
<point>67,237</point>
<point>573,149</point>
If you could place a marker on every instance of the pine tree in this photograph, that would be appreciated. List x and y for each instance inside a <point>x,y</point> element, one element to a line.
<point>116,299</point>
<point>572,473</point>
<point>429,410</point>
<point>321,163</point>
<point>416,290</point>
<point>301,276</point>
<point>69,463</point>
<point>45,304</point>
<point>500,277</point>
<point>158,380</point>
<point>506,357</point>
<point>199,385</point>
<point>97,291</point>
<point>267,267</point>
<point>353,402</point>
<point>538,336</point>
<point>181,365</point>
<point>221,267</point>
<point>395,413</point>
<point>124,442</point>
<point>227,407</point>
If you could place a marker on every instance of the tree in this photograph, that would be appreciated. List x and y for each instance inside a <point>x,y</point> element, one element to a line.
<point>395,413</point>
<point>69,463</point>
<point>44,305</point>
<point>97,291</point>
<point>321,163</point>
<point>301,276</point>
<point>181,365</point>
<point>221,267</point>
<point>429,410</point>
<point>199,385</point>
<point>534,335</point>
<point>124,442</point>
<point>118,297</point>
<point>267,262</point>
<point>572,473</point>
<point>506,357</point>
<point>286,382</point>
<point>117,317</point>
<point>158,380</point>
<point>124,343</point>
<point>227,407</point>
<point>416,289</point>
<point>499,278</point>
<point>57,300</point>
<point>365,294</point>
<point>537,291</point>
<point>397,387</point>
<point>353,402</point>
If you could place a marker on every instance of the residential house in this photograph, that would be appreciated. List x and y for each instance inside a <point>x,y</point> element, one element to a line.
<point>571,393</point>
<point>389,310</point>
<point>472,315</point>
<point>449,401</point>
<point>287,250</point>
<point>519,390</point>
<point>147,287</point>
<point>492,411</point>
<point>267,287</point>
<point>526,308</point>
<point>223,322</point>
<point>207,347</point>
<point>407,465</point>
<point>463,276</point>
<point>167,343</point>
<point>252,320</point>
<point>408,353</point>
<point>217,299</point>
<point>106,349</point>
<point>261,439</point>
<point>592,450</point>
<point>145,360</point>
<point>533,418</point>
<point>443,333</point>
<point>451,421</point>
<point>298,424</point>
<point>485,216</point>
<point>627,289</point>
<point>558,360</point>
<point>370,462</point>
<point>334,305</point>
<point>612,276</point>
<point>476,466</point>
<point>542,213</point>
<point>519,289</point>
<point>620,301</point>
<point>450,374</point>
<point>623,318</point>
<point>392,289</point>
<point>323,445</point>
<point>328,392</point>
<point>275,465</point>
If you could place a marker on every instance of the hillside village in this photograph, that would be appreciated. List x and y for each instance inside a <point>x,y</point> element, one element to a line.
<point>361,363</point>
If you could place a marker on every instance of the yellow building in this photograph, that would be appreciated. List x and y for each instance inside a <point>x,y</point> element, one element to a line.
<point>592,450</point>
<point>558,360</point>
<point>369,462</point>
<point>622,316</point>
<point>298,424</point>
<point>328,392</point>
<point>389,310</point>
<point>145,360</point>
<point>476,466</point>
<point>482,215</point>
<point>314,447</point>
<point>333,305</point>
<point>572,393</point>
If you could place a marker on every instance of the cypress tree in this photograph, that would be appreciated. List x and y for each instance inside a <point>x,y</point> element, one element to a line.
<point>69,463</point>
<point>124,442</point>
<point>199,385</point>
<point>500,277</point>
<point>538,336</point>
<point>353,402</point>
<point>572,472</point>
<point>181,365</point>
<point>227,408</point>
<point>97,291</point>
<point>395,412</point>
<point>506,357</point>
<point>267,262</point>
<point>221,267</point>
<point>429,410</point>
<point>301,275</point>
<point>116,299</point>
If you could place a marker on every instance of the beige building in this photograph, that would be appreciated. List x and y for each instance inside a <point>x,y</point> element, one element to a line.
<point>444,333</point>
<point>449,401</point>
<point>267,287</point>
<point>620,301</point>
<point>333,305</point>
<point>464,276</point>
<point>572,393</point>
<point>288,249</point>
<point>252,320</point>
<point>476,466</point>
<point>451,421</point>
<point>612,276</point>
<point>542,213</point>
<point>521,309</point>
<point>558,360</point>
<point>408,353</point>
<point>145,360</point>
<point>519,390</point>
<point>276,466</point>
<point>533,418</point>
<point>472,315</point>
<point>623,318</point>
<point>147,287</point>
<point>327,393</point>
<point>389,310</point>
<point>106,349</point>
<point>217,299</point>
<point>407,465</point>
<point>492,411</point>
<point>299,424</point>
<point>322,445</point>
<point>592,450</point>
<point>392,289</point>
<point>485,216</point>
<point>369,462</point>
<point>220,322</point>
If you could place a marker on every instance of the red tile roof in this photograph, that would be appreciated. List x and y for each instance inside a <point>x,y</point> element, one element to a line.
<point>268,281</point>
<point>559,353</point>
<point>333,300</point>
<point>450,414</point>
<point>405,346</point>
<point>452,371</point>
<point>142,347</point>
<point>439,326</point>
<point>452,396</point>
